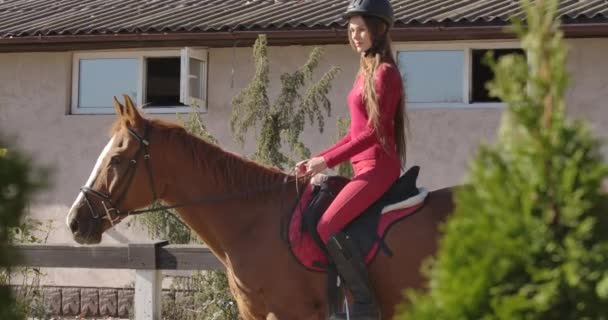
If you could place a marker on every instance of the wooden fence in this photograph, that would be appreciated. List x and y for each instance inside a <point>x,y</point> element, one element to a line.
<point>147,259</point>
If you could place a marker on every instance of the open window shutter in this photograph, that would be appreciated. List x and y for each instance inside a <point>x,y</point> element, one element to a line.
<point>193,77</point>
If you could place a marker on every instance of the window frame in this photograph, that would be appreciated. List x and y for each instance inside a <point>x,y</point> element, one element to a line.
<point>467,47</point>
<point>140,55</point>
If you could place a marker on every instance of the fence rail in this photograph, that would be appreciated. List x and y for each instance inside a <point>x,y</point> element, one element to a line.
<point>148,260</point>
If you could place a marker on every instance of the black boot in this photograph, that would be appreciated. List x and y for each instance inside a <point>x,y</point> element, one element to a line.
<point>348,260</point>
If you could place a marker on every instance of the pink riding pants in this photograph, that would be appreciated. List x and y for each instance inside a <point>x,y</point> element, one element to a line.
<point>372,179</point>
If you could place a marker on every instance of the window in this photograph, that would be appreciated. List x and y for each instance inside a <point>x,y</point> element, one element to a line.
<point>481,73</point>
<point>432,76</point>
<point>162,82</point>
<point>449,75</point>
<point>100,79</point>
<point>165,81</point>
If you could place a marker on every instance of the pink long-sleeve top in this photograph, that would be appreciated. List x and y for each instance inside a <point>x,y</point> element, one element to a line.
<point>361,142</point>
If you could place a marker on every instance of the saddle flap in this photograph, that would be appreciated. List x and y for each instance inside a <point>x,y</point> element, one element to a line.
<point>322,196</point>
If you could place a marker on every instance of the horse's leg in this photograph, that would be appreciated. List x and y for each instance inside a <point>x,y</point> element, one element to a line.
<point>276,287</point>
<point>247,309</point>
<point>412,241</point>
<point>296,295</point>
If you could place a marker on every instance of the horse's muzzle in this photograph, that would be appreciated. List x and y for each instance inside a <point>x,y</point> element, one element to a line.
<point>85,230</point>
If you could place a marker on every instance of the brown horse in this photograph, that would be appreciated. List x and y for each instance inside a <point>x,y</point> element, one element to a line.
<point>236,207</point>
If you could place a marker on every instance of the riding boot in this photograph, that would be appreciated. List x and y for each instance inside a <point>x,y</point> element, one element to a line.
<point>350,265</point>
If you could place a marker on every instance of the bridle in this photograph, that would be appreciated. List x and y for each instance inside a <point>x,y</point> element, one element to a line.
<point>114,215</point>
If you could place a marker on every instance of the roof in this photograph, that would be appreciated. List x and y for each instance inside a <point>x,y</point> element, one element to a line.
<point>48,18</point>
<point>56,17</point>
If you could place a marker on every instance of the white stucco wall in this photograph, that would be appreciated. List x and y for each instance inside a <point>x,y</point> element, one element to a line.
<point>35,90</point>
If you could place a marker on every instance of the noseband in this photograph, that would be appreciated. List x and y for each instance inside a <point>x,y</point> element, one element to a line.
<point>111,211</point>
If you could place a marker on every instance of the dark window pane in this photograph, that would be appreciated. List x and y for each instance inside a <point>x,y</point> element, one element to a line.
<point>481,73</point>
<point>162,82</point>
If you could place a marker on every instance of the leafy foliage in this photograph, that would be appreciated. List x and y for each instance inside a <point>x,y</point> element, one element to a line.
<point>528,238</point>
<point>206,297</point>
<point>285,118</point>
<point>29,299</point>
<point>20,179</point>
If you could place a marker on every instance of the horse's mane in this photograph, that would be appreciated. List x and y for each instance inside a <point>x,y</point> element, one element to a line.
<point>225,169</point>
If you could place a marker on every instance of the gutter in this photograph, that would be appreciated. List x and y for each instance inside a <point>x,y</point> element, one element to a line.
<point>282,37</point>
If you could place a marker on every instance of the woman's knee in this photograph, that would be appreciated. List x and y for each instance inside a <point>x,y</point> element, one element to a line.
<point>325,231</point>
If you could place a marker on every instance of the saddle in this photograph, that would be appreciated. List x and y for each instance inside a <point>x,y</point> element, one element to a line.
<point>368,230</point>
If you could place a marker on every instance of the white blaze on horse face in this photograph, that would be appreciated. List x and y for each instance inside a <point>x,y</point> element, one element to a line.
<point>92,178</point>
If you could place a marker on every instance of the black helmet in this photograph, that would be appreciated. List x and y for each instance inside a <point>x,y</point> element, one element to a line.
<point>377,8</point>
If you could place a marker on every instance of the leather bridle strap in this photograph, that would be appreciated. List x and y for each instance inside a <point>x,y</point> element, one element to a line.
<point>112,213</point>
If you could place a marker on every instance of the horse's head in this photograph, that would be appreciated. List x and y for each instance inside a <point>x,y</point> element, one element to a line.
<point>120,181</point>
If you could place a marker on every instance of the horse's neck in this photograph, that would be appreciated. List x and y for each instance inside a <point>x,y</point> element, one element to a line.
<point>201,169</point>
<point>240,198</point>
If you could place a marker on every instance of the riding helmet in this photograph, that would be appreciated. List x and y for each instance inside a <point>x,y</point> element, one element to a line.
<point>377,8</point>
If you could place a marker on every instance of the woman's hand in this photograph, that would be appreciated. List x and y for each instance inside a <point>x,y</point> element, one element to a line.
<point>311,167</point>
<point>315,165</point>
<point>301,168</point>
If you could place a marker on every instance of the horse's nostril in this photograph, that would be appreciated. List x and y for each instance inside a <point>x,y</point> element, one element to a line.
<point>74,225</point>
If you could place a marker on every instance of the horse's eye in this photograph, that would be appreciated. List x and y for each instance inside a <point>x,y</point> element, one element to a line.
<point>115,160</point>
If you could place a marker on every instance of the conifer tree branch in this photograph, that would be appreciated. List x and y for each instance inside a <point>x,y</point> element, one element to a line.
<point>284,120</point>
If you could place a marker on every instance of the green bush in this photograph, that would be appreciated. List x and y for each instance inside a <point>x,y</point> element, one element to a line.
<point>19,182</point>
<point>528,239</point>
<point>29,300</point>
<point>205,295</point>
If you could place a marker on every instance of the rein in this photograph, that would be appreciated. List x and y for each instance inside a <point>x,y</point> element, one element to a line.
<point>215,198</point>
<point>114,215</point>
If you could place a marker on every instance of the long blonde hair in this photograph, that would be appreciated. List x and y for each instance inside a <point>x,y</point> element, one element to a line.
<point>380,52</point>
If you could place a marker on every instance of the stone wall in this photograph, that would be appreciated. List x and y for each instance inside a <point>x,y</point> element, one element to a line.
<point>94,303</point>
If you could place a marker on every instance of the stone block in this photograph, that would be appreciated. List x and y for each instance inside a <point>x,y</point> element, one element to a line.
<point>51,298</point>
<point>70,302</point>
<point>108,302</point>
<point>125,302</point>
<point>89,300</point>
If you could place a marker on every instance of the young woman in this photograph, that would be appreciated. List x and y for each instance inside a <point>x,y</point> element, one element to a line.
<point>375,143</point>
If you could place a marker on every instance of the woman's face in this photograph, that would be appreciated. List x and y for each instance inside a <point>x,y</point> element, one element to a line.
<point>359,34</point>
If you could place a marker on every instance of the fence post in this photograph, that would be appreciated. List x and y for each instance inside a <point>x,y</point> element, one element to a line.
<point>148,289</point>
<point>148,279</point>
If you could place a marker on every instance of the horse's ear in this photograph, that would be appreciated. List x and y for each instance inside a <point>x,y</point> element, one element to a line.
<point>133,115</point>
<point>120,109</point>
